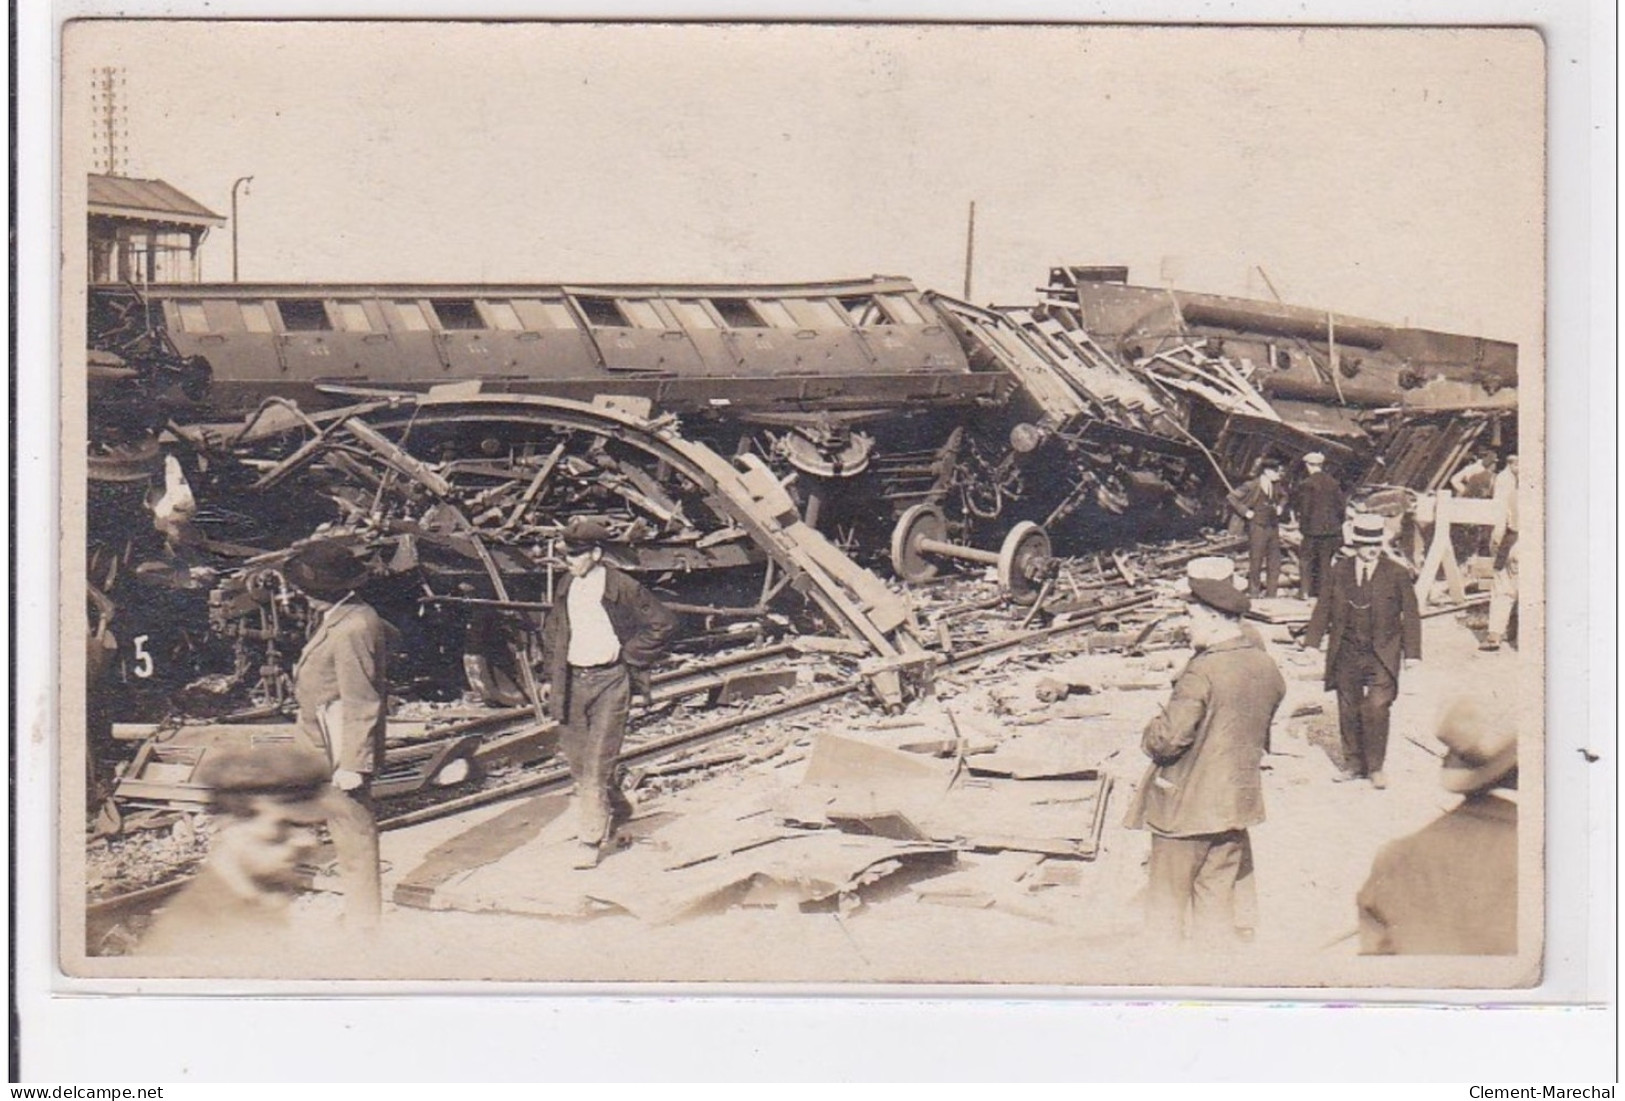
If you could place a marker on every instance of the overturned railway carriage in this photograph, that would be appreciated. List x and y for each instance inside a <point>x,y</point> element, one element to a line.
<point>857,386</point>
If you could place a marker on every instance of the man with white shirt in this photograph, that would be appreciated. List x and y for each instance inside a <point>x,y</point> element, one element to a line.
<point>1368,614</point>
<point>603,633</point>
<point>1504,537</point>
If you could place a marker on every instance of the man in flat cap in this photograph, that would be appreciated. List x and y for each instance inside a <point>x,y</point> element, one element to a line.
<point>1368,614</point>
<point>341,685</point>
<point>1261,503</point>
<point>603,633</point>
<point>267,802</point>
<point>1452,887</point>
<point>1319,506</point>
<point>1204,789</point>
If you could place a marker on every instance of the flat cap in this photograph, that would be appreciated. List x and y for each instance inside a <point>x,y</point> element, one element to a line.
<point>296,776</point>
<point>582,533</point>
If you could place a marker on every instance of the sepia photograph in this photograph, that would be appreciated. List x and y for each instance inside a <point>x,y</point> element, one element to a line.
<point>821,504</point>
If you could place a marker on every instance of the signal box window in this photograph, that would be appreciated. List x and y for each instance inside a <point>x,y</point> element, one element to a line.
<point>304,315</point>
<point>193,319</point>
<point>457,313</point>
<point>353,317</point>
<point>737,313</point>
<point>255,317</point>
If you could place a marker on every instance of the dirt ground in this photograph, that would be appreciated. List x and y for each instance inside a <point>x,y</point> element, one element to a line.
<point>1006,917</point>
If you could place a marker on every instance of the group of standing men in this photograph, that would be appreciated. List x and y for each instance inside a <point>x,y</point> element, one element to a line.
<point>601,636</point>
<point>1262,504</point>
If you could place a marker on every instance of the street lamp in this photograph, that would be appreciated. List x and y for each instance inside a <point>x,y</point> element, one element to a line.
<point>235,185</point>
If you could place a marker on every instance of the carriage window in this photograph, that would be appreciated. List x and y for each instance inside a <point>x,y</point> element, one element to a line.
<point>411,315</point>
<point>692,313</point>
<point>737,313</point>
<point>504,316</point>
<point>256,319</point>
<point>457,313</point>
<point>863,310</point>
<point>815,313</point>
<point>641,313</point>
<point>304,315</point>
<point>193,319</point>
<point>543,314</point>
<point>353,317</point>
<point>901,310</point>
<point>774,313</point>
<point>601,311</point>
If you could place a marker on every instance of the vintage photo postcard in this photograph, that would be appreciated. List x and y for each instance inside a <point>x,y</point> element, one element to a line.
<point>823,503</point>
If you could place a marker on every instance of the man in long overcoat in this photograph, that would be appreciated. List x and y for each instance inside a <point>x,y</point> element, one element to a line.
<point>1368,615</point>
<point>1318,504</point>
<point>1204,788</point>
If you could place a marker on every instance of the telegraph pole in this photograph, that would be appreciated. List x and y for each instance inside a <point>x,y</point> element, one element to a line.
<point>970,247</point>
<point>235,185</point>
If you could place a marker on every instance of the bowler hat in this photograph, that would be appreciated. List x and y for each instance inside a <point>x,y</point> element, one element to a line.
<point>1367,528</point>
<point>583,533</point>
<point>1481,743</point>
<point>297,778</point>
<point>326,571</point>
<point>1212,582</point>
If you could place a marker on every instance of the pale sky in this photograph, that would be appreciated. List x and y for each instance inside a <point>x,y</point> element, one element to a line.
<point>1395,174</point>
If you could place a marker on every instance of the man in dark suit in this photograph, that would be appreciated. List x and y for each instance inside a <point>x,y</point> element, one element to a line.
<point>1369,616</point>
<point>341,686</point>
<point>1318,504</point>
<point>1452,887</point>
<point>1261,503</point>
<point>603,633</point>
<point>1204,788</point>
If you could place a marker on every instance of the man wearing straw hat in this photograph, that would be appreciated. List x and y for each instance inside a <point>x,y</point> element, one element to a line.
<point>1204,788</point>
<point>1369,616</point>
<point>1452,887</point>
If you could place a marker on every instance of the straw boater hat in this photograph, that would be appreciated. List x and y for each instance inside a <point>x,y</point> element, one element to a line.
<point>583,533</point>
<point>327,571</point>
<point>1481,743</point>
<point>1367,528</point>
<point>297,778</point>
<point>1212,581</point>
<point>1314,458</point>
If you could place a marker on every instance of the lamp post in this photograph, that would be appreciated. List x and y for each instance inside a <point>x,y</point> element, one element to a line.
<point>235,185</point>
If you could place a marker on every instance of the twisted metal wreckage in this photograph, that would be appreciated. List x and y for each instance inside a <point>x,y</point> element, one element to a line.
<point>446,435</point>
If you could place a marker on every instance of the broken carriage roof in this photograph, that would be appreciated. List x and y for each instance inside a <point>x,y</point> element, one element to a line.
<point>875,284</point>
<point>153,200</point>
<point>1111,306</point>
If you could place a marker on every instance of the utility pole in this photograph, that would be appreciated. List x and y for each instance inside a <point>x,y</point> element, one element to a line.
<point>111,123</point>
<point>235,185</point>
<point>970,247</point>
